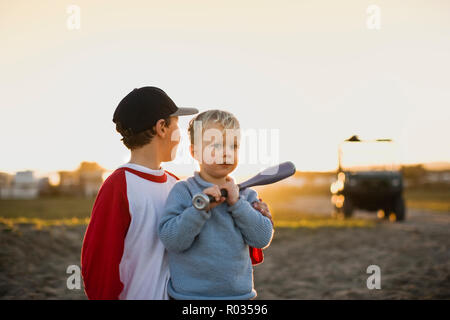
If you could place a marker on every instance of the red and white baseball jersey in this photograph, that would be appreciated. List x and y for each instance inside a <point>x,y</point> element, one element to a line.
<point>122,256</point>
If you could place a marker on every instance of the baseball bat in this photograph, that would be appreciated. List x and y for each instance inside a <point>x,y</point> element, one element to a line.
<point>270,175</point>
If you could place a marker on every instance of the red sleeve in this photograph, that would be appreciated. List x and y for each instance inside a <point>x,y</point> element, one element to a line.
<point>104,240</point>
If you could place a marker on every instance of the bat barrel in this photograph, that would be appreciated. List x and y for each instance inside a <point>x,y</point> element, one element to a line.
<point>270,175</point>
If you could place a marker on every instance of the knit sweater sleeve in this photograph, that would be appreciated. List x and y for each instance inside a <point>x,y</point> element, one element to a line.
<point>181,222</point>
<point>256,229</point>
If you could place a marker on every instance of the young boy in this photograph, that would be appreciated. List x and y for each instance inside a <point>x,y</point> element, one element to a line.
<point>122,256</point>
<point>209,250</point>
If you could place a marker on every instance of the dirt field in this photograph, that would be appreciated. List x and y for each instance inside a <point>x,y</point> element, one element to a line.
<point>323,261</point>
<point>331,263</point>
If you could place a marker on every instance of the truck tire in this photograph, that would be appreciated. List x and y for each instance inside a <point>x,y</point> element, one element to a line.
<point>400,209</point>
<point>387,211</point>
<point>347,208</point>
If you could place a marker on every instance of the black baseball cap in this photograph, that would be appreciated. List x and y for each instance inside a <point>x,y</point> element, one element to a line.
<point>143,107</point>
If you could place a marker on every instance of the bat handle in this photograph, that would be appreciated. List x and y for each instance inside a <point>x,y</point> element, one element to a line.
<point>223,193</point>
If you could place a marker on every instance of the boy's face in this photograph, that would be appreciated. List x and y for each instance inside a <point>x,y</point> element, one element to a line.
<point>171,140</point>
<point>219,151</point>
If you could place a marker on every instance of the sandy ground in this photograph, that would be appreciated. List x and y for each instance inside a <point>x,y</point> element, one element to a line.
<point>323,263</point>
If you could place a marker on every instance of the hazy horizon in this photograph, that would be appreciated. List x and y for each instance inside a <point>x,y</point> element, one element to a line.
<point>434,166</point>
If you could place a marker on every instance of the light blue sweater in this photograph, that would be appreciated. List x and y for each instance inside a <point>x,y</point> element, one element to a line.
<point>208,251</point>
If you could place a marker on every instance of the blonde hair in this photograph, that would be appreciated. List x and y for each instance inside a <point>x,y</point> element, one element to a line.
<point>226,119</point>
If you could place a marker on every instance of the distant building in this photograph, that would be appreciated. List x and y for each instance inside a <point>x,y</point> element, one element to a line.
<point>44,186</point>
<point>85,181</point>
<point>419,175</point>
<point>5,185</point>
<point>434,177</point>
<point>69,182</point>
<point>23,186</point>
<point>91,179</point>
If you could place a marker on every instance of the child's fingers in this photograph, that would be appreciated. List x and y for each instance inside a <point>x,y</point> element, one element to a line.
<point>218,193</point>
<point>261,207</point>
<point>214,192</point>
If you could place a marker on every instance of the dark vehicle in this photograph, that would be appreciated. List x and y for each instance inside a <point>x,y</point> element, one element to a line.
<point>367,180</point>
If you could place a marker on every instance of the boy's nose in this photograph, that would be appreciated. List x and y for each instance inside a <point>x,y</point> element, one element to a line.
<point>228,157</point>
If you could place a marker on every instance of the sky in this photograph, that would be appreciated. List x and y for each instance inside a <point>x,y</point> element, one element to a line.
<point>309,73</point>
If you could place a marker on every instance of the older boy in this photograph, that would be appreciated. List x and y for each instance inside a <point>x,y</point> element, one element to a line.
<point>208,250</point>
<point>122,257</point>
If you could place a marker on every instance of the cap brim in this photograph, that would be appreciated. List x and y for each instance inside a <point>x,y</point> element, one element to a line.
<point>185,112</point>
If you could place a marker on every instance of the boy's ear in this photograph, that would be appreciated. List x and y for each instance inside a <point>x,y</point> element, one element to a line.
<point>160,128</point>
